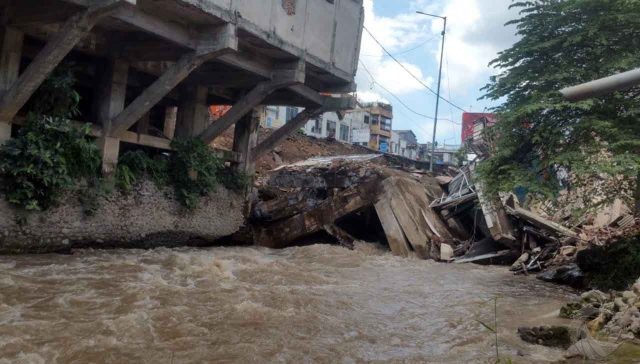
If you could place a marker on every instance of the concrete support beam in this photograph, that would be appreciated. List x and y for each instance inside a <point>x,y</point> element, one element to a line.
<point>193,113</point>
<point>143,124</point>
<point>282,78</point>
<point>226,40</point>
<point>50,56</point>
<point>111,96</point>
<point>245,138</point>
<point>170,119</point>
<point>281,134</point>
<point>11,41</point>
<point>328,104</point>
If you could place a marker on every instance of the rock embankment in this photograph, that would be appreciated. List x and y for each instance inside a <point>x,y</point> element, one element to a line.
<point>145,217</point>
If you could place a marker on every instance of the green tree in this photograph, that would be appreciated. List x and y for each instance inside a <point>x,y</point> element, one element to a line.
<point>563,43</point>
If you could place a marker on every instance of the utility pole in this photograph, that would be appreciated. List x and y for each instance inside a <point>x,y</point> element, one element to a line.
<point>435,119</point>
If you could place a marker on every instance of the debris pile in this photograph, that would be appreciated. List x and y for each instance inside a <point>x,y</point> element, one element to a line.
<point>361,197</point>
<point>616,313</point>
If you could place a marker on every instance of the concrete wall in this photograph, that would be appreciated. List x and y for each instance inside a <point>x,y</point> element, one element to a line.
<point>145,217</point>
<point>329,31</point>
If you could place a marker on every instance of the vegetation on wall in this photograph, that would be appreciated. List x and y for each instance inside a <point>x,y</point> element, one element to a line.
<point>563,43</point>
<point>192,169</point>
<point>52,154</point>
<point>49,153</point>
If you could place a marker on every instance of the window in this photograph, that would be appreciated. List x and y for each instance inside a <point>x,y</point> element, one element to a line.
<point>385,124</point>
<point>366,119</point>
<point>291,113</point>
<point>331,129</point>
<point>374,120</point>
<point>317,127</point>
<point>344,132</point>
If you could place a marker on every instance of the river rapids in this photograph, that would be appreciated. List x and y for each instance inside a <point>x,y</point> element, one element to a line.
<point>312,304</point>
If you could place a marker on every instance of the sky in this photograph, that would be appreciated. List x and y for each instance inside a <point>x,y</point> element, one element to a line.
<point>475,34</point>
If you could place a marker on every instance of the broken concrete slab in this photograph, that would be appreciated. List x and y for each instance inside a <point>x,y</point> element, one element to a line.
<point>539,221</point>
<point>395,237</point>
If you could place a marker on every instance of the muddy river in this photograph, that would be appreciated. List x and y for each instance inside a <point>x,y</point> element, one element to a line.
<point>314,304</point>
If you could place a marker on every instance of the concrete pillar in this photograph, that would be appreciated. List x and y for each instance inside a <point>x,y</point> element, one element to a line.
<point>11,41</point>
<point>170,118</point>
<point>143,124</point>
<point>245,139</point>
<point>193,112</point>
<point>111,96</point>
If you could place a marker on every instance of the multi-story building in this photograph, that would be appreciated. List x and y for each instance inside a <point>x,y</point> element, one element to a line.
<point>379,116</point>
<point>328,125</point>
<point>445,154</point>
<point>276,116</point>
<point>405,144</point>
<point>368,125</point>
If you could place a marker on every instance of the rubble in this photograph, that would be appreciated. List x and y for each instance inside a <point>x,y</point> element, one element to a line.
<point>361,197</point>
<point>616,314</point>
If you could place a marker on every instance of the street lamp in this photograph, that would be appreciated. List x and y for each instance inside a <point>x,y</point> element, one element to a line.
<point>435,119</point>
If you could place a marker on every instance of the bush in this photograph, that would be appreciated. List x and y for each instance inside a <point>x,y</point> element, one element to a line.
<point>134,165</point>
<point>44,160</point>
<point>192,169</point>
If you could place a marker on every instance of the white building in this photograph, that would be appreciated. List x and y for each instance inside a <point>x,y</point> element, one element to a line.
<point>330,126</point>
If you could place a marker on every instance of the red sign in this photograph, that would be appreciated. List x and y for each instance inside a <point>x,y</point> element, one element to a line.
<point>469,118</point>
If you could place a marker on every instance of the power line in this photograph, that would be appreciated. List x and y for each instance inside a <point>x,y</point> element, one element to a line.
<point>410,73</point>
<point>405,51</point>
<point>375,82</point>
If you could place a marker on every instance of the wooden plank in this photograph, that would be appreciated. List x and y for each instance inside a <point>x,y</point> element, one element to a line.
<point>50,56</point>
<point>395,237</point>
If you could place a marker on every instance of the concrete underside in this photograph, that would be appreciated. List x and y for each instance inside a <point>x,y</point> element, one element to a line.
<point>146,217</point>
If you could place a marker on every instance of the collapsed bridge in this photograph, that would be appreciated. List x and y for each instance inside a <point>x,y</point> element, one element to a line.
<point>148,69</point>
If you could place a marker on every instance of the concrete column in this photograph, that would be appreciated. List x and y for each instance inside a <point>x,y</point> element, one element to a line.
<point>170,118</point>
<point>111,96</point>
<point>193,112</point>
<point>11,41</point>
<point>245,139</point>
<point>143,124</point>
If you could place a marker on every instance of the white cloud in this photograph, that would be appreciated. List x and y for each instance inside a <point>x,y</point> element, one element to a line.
<point>475,35</point>
<point>394,33</point>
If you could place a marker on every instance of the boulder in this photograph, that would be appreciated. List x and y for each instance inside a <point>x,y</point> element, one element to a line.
<point>553,336</point>
<point>570,275</point>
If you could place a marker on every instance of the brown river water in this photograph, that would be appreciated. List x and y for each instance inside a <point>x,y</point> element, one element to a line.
<point>313,304</point>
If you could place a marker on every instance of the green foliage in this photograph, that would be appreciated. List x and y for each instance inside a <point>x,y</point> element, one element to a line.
<point>615,266</point>
<point>193,170</point>
<point>50,152</point>
<point>563,43</point>
<point>134,165</point>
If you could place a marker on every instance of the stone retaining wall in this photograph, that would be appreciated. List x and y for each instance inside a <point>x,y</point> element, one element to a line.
<point>145,217</point>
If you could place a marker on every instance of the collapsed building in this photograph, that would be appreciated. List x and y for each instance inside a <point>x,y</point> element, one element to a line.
<point>367,197</point>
